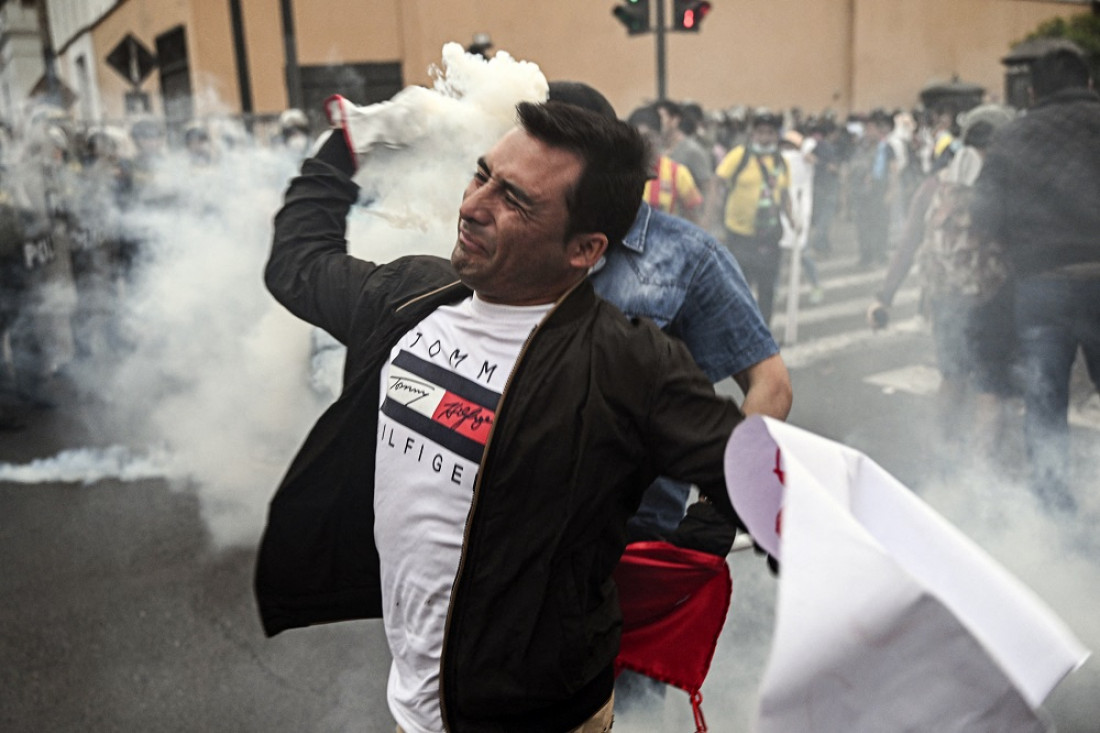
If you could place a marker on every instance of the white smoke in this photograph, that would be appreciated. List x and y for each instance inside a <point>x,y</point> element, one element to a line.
<point>89,465</point>
<point>217,373</point>
<point>417,187</point>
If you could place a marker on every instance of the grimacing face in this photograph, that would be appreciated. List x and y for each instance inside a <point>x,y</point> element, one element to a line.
<point>511,247</point>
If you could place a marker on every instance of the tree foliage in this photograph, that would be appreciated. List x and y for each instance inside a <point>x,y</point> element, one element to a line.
<point>1083,30</point>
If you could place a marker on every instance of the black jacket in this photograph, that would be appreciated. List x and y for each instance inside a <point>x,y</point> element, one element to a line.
<point>1038,191</point>
<point>596,408</point>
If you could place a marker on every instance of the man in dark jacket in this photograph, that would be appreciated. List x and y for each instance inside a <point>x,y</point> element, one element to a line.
<point>498,425</point>
<point>1037,198</point>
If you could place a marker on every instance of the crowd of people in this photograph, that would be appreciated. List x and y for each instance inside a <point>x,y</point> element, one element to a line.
<point>71,203</point>
<point>759,181</point>
<point>762,180</point>
<point>909,183</point>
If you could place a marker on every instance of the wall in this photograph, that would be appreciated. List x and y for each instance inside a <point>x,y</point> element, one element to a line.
<point>145,19</point>
<point>902,46</point>
<point>839,54</point>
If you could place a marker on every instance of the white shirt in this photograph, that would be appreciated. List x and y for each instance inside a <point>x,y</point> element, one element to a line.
<point>438,399</point>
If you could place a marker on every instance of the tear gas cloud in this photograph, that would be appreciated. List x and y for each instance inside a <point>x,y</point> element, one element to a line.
<point>215,380</point>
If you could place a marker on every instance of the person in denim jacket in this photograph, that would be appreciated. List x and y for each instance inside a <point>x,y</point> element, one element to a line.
<point>675,274</point>
<point>681,278</point>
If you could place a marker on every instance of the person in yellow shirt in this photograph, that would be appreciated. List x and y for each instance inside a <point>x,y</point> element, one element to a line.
<point>671,187</point>
<point>673,190</point>
<point>753,181</point>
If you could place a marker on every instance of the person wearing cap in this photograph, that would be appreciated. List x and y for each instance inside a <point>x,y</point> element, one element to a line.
<point>480,45</point>
<point>1036,199</point>
<point>294,133</point>
<point>498,425</point>
<point>196,141</point>
<point>753,182</point>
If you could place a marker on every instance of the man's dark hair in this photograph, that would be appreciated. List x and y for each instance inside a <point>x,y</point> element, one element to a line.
<point>978,135</point>
<point>605,198</point>
<point>1057,70</point>
<point>691,118</point>
<point>645,116</point>
<point>673,109</point>
<point>582,95</point>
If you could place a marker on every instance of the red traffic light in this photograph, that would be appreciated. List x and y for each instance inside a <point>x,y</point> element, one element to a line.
<point>687,15</point>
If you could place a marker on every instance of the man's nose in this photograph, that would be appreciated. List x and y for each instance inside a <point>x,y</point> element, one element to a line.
<point>475,204</point>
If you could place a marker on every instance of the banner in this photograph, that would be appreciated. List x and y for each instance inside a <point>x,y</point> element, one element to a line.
<point>888,617</point>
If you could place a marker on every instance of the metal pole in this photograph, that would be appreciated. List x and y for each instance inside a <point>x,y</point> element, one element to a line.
<point>240,51</point>
<point>662,70</point>
<point>290,49</point>
<point>49,56</point>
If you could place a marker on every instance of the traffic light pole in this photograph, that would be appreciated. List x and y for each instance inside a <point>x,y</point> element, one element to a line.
<point>636,16</point>
<point>659,35</point>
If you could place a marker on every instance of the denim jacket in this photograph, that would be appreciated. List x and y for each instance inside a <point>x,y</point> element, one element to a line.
<point>675,274</point>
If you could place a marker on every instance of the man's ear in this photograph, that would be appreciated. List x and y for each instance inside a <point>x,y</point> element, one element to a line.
<point>585,250</point>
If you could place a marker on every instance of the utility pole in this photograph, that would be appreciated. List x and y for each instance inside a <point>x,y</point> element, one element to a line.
<point>662,64</point>
<point>49,57</point>
<point>687,15</point>
<point>290,50</point>
<point>240,49</point>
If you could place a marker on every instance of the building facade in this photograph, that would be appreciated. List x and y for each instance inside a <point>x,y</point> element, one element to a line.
<point>196,58</point>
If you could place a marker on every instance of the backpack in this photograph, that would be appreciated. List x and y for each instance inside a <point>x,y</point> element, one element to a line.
<point>767,225</point>
<point>952,261</point>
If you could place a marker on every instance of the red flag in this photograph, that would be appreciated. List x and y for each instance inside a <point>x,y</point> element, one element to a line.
<point>674,603</point>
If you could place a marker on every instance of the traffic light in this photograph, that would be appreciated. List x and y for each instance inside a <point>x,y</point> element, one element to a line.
<point>687,15</point>
<point>634,14</point>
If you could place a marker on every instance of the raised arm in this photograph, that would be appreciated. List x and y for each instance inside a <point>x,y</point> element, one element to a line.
<point>309,270</point>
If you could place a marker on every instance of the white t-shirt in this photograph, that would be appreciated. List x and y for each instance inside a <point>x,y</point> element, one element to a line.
<point>439,396</point>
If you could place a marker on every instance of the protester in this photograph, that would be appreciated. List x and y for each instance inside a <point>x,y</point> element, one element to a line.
<point>671,187</point>
<point>543,473</point>
<point>872,186</point>
<point>678,130</point>
<point>42,339</point>
<point>753,183</point>
<point>964,296</point>
<point>943,142</point>
<point>1036,199</point>
<point>826,189</point>
<point>703,300</point>
<point>294,133</point>
<point>798,155</point>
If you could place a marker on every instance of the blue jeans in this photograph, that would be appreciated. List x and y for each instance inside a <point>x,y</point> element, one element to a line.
<point>663,506</point>
<point>1054,316</point>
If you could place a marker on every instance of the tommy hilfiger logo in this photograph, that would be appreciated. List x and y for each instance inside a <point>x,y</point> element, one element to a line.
<point>440,405</point>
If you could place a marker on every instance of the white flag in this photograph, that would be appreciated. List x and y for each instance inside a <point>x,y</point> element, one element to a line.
<point>888,617</point>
